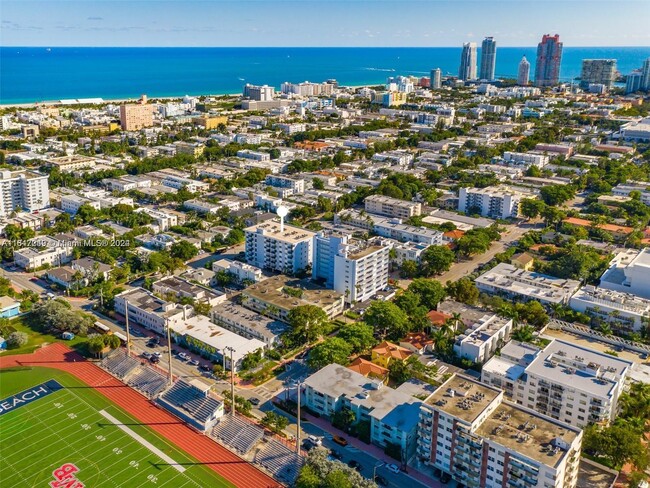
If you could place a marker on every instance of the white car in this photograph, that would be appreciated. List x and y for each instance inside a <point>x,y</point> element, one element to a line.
<point>157,354</point>
<point>183,356</point>
<point>393,468</point>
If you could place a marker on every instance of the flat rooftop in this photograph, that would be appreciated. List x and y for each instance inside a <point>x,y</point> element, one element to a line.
<point>271,291</point>
<point>580,368</point>
<point>362,253</point>
<point>526,432</point>
<point>463,398</point>
<point>264,326</point>
<point>271,229</point>
<point>392,407</point>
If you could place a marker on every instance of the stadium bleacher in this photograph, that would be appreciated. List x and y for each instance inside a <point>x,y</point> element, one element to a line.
<point>194,401</point>
<point>237,433</point>
<point>147,380</point>
<point>279,460</point>
<point>119,363</point>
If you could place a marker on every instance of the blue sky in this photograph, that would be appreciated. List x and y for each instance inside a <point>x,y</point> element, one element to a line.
<point>321,23</point>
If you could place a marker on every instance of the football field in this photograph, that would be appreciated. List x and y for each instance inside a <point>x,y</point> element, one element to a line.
<point>55,428</point>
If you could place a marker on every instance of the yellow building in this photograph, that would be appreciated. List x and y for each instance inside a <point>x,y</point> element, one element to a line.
<point>386,352</point>
<point>210,123</point>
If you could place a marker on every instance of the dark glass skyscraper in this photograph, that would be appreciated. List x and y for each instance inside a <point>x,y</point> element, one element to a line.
<point>549,59</point>
<point>467,70</point>
<point>488,59</point>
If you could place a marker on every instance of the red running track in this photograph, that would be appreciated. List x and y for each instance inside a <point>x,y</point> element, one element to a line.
<point>216,457</point>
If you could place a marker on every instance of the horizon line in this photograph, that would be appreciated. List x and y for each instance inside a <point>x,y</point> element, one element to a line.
<point>303,47</point>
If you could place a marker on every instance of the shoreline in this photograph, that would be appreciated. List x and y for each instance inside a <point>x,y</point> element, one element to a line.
<point>59,103</point>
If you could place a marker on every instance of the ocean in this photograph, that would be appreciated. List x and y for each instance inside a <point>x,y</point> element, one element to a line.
<point>36,74</point>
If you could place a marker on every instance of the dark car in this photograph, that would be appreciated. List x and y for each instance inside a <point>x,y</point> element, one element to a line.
<point>307,446</point>
<point>336,455</point>
<point>445,478</point>
<point>255,401</point>
<point>355,465</point>
<point>205,367</point>
<point>154,359</point>
<point>380,480</point>
<point>151,344</point>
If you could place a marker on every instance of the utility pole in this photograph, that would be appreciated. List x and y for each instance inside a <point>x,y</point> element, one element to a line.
<point>298,423</point>
<point>128,334</point>
<point>101,298</point>
<point>169,353</point>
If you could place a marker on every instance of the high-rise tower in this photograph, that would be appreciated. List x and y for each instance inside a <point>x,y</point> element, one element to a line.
<point>436,79</point>
<point>549,59</point>
<point>467,70</point>
<point>488,59</point>
<point>523,72</point>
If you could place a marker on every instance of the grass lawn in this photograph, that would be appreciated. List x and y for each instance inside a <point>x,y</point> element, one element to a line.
<point>66,426</point>
<point>25,324</point>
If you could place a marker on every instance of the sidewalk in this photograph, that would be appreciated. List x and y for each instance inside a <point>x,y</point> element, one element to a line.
<point>372,450</point>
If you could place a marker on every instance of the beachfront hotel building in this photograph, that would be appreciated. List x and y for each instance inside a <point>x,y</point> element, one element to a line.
<point>136,116</point>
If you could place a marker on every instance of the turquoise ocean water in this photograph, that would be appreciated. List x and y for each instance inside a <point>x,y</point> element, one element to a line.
<point>41,74</point>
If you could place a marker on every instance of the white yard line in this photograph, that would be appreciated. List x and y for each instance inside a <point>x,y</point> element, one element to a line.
<point>142,441</point>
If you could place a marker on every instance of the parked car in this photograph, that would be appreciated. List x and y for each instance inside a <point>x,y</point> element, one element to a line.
<point>157,354</point>
<point>317,441</point>
<point>151,344</point>
<point>194,362</point>
<point>393,468</point>
<point>154,359</point>
<point>146,355</point>
<point>307,446</point>
<point>340,440</point>
<point>255,401</point>
<point>335,454</point>
<point>183,356</point>
<point>380,480</point>
<point>445,477</point>
<point>205,367</point>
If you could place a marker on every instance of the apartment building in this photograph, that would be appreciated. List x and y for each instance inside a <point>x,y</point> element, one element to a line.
<point>567,382</point>
<point>482,338</point>
<point>396,158</point>
<point>625,311</point>
<point>297,185</point>
<point>249,323</point>
<point>526,159</point>
<point>151,312</point>
<point>51,251</point>
<point>391,228</point>
<point>307,89</point>
<point>164,220</point>
<point>493,202</point>
<point>624,190</point>
<point>180,288</point>
<point>254,155</point>
<point>136,116</point>
<point>360,270</point>
<point>126,183</point>
<point>71,203</point>
<point>68,164</point>
<point>508,280</point>
<point>241,271</point>
<point>24,190</point>
<point>279,247</point>
<point>393,415</point>
<point>278,295</point>
<point>629,272</point>
<point>392,207</point>
<point>599,71</point>
<point>468,431</point>
<point>201,206</point>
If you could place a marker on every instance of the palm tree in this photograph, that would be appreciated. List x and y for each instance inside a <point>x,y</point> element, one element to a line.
<point>556,308</point>
<point>605,329</point>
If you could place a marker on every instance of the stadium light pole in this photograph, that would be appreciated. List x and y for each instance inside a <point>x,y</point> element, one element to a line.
<point>169,352</point>
<point>298,422</point>
<point>128,334</point>
<point>232,380</point>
